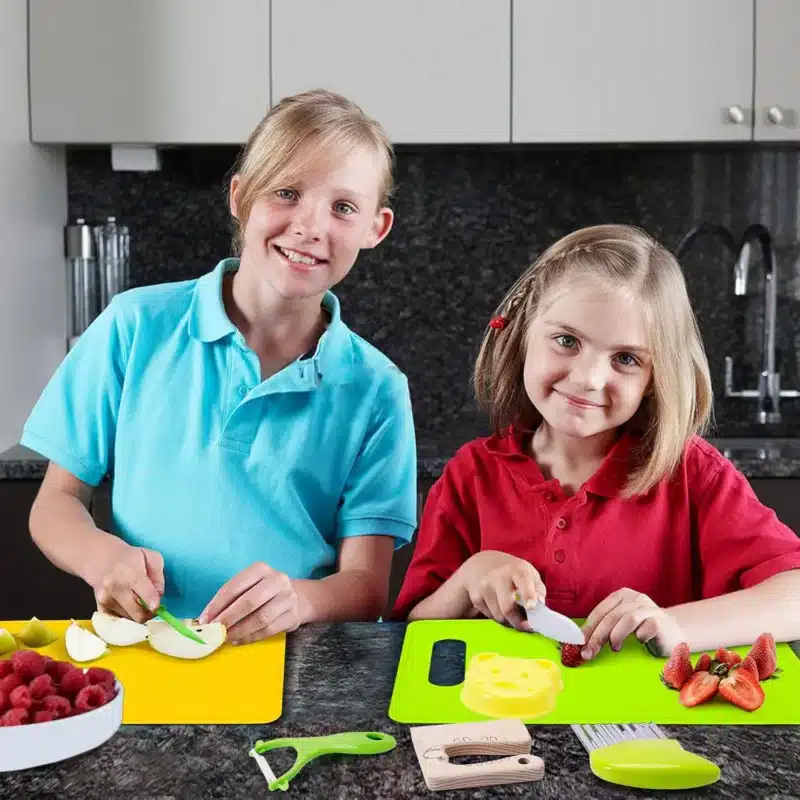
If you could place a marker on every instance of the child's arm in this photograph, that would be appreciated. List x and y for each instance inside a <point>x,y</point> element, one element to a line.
<point>738,618</point>
<point>358,591</point>
<point>63,529</point>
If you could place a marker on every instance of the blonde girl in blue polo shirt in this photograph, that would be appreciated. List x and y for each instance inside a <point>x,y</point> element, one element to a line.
<point>596,492</point>
<point>262,454</point>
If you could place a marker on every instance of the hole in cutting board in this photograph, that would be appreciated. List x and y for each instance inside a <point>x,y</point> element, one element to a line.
<point>447,662</point>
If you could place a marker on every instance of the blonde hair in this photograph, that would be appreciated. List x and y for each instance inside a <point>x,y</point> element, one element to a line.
<point>295,134</point>
<point>679,401</point>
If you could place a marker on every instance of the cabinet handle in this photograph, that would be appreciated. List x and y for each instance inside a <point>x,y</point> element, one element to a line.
<point>775,115</point>
<point>736,115</point>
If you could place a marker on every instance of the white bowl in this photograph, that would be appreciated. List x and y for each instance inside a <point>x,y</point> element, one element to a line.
<point>39,743</point>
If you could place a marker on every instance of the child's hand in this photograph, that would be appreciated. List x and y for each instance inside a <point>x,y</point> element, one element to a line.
<point>256,603</point>
<point>492,580</point>
<point>125,573</point>
<point>625,612</point>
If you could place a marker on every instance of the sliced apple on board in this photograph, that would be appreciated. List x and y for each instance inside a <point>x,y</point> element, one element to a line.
<point>36,634</point>
<point>83,645</point>
<point>7,642</point>
<point>119,631</point>
<point>165,639</point>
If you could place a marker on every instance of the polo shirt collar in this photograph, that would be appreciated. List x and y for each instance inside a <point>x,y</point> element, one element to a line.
<point>209,322</point>
<point>512,446</point>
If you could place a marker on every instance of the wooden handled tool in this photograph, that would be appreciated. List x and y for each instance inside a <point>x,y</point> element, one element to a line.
<point>435,745</point>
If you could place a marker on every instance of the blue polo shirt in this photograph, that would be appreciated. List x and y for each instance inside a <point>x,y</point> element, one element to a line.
<point>215,468</point>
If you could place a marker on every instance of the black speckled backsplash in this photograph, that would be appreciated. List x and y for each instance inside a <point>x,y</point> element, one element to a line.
<point>468,220</point>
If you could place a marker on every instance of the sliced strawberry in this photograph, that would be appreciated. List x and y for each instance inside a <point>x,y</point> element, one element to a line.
<point>742,689</point>
<point>703,663</point>
<point>749,665</point>
<point>700,687</point>
<point>679,667</point>
<point>728,657</point>
<point>765,655</point>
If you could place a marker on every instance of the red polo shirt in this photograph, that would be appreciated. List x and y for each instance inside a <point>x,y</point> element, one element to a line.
<point>700,534</point>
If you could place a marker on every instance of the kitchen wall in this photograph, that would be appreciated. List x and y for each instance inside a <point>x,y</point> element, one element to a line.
<point>33,206</point>
<point>468,220</point>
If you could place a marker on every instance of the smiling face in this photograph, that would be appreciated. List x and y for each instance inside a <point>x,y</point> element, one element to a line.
<point>587,363</point>
<point>304,238</point>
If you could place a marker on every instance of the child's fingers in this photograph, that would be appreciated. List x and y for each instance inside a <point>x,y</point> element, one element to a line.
<point>154,564</point>
<point>228,594</point>
<point>530,587</point>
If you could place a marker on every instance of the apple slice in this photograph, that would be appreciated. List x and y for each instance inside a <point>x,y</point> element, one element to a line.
<point>165,639</point>
<point>83,645</point>
<point>7,642</point>
<point>118,630</point>
<point>36,634</point>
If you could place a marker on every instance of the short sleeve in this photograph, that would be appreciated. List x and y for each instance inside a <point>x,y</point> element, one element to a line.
<point>74,421</point>
<point>380,496</point>
<point>742,542</point>
<point>445,540</point>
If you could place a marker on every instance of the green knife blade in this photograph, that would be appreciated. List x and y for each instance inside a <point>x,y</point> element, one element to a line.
<point>174,622</point>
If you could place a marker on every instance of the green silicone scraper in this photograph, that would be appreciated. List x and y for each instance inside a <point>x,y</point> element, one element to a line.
<point>355,743</point>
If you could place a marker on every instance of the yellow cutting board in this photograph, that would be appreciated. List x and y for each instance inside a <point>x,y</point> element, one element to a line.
<point>235,685</point>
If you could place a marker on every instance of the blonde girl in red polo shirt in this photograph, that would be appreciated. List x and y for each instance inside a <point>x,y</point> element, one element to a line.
<point>596,492</point>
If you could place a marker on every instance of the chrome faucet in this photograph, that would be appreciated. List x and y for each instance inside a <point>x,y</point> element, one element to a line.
<point>769,392</point>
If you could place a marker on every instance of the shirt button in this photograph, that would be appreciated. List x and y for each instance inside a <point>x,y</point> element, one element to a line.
<point>243,391</point>
<point>561,523</point>
<point>560,555</point>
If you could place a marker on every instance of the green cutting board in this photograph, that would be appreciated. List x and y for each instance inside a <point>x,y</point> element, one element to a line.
<point>621,687</point>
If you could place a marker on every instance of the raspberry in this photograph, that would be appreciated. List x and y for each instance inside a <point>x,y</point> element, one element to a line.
<point>28,664</point>
<point>6,667</point>
<point>73,681</point>
<point>44,716</point>
<point>101,677</point>
<point>21,698</point>
<point>90,697</point>
<point>3,701</point>
<point>10,682</point>
<point>41,687</point>
<point>60,706</point>
<point>17,716</point>
<point>57,669</point>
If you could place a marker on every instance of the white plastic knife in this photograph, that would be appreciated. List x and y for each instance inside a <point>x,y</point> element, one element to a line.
<point>554,625</point>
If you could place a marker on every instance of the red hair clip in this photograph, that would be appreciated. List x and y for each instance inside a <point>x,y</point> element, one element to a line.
<point>498,322</point>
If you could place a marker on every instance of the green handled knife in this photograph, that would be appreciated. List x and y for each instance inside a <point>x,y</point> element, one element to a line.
<point>174,622</point>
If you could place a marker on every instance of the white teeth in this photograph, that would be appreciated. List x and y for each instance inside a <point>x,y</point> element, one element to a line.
<point>297,258</point>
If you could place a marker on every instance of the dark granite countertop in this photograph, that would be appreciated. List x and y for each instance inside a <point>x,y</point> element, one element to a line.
<point>340,678</point>
<point>756,457</point>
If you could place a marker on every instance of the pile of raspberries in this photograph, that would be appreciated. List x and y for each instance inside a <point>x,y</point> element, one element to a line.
<point>36,688</point>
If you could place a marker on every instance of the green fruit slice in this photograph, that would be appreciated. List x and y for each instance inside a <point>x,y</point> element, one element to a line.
<point>7,642</point>
<point>36,634</point>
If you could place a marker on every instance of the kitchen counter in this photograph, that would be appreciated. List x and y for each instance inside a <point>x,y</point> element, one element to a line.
<point>756,457</point>
<point>339,678</point>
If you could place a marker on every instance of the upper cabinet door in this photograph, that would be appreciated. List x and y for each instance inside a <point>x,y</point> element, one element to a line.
<point>632,71</point>
<point>777,106</point>
<point>148,71</point>
<point>431,71</point>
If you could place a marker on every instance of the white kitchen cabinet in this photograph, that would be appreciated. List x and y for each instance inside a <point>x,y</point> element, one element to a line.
<point>634,71</point>
<point>777,95</point>
<point>148,71</point>
<point>431,71</point>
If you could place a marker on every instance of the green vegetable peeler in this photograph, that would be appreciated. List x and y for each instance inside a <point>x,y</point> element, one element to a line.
<point>355,743</point>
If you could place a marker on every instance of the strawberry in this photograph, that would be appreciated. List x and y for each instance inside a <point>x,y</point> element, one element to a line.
<point>749,665</point>
<point>728,657</point>
<point>703,663</point>
<point>700,687</point>
<point>571,655</point>
<point>679,667</point>
<point>742,689</point>
<point>764,654</point>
